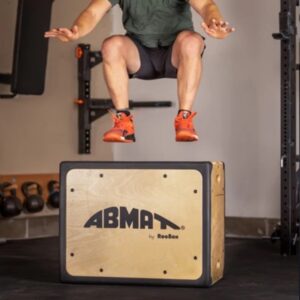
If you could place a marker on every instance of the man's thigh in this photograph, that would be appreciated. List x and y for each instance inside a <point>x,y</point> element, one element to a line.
<point>155,62</point>
<point>132,56</point>
<point>146,70</point>
<point>124,46</point>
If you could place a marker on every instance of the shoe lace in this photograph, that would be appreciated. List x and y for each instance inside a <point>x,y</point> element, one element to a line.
<point>119,123</point>
<point>186,122</point>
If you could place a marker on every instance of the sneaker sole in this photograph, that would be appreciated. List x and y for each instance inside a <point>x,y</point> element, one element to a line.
<point>186,137</point>
<point>119,139</point>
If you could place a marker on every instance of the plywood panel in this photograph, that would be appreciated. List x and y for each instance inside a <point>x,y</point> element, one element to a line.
<point>218,221</point>
<point>135,253</point>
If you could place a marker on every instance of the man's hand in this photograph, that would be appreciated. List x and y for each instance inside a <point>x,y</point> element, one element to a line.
<point>84,24</point>
<point>63,34</point>
<point>218,29</point>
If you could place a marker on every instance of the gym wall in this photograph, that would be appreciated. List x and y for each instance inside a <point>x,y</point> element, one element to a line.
<point>238,111</point>
<point>38,132</point>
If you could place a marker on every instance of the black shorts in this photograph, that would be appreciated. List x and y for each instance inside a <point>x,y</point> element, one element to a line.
<point>155,62</point>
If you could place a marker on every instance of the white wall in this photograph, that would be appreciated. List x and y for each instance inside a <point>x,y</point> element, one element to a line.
<point>238,111</point>
<point>37,133</point>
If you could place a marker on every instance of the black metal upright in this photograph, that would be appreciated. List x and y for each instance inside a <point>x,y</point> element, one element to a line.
<point>84,78</point>
<point>288,36</point>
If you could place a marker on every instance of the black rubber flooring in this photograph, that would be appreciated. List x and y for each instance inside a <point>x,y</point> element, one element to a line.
<point>254,270</point>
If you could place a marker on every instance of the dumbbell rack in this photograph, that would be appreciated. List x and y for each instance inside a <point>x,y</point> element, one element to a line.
<point>89,110</point>
<point>289,227</point>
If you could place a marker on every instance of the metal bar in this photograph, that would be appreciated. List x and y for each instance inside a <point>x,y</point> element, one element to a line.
<point>148,104</point>
<point>102,104</point>
<point>100,107</point>
<point>84,80</point>
<point>106,104</point>
<point>288,125</point>
<point>95,58</point>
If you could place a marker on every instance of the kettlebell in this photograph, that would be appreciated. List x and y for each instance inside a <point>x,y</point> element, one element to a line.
<point>10,204</point>
<point>33,197</point>
<point>53,188</point>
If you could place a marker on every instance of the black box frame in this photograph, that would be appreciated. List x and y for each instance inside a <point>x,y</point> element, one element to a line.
<point>204,168</point>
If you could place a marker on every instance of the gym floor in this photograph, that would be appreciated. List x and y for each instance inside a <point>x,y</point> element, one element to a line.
<point>254,270</point>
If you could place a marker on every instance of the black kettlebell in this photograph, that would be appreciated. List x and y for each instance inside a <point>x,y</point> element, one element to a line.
<point>33,197</point>
<point>53,188</point>
<point>10,204</point>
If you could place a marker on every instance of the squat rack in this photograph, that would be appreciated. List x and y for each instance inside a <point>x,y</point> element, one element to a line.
<point>89,110</point>
<point>290,179</point>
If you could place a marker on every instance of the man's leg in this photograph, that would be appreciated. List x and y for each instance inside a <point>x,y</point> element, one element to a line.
<point>120,57</point>
<point>186,57</point>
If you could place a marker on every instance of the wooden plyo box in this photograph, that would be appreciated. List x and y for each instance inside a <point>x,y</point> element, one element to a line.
<point>156,223</point>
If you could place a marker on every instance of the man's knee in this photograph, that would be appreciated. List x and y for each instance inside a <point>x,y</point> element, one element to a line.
<point>191,44</point>
<point>112,47</point>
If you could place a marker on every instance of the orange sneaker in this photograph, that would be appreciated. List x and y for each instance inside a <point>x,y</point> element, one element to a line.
<point>185,131</point>
<point>123,130</point>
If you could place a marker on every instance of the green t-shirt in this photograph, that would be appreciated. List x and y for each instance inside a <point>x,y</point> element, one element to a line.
<point>155,22</point>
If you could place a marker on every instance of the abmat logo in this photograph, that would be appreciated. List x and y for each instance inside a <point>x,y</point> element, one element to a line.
<point>114,217</point>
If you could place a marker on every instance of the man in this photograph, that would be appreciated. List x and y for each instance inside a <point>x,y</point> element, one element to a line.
<point>160,43</point>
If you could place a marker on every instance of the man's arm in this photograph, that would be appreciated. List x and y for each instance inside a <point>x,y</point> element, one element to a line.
<point>213,21</point>
<point>84,24</point>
